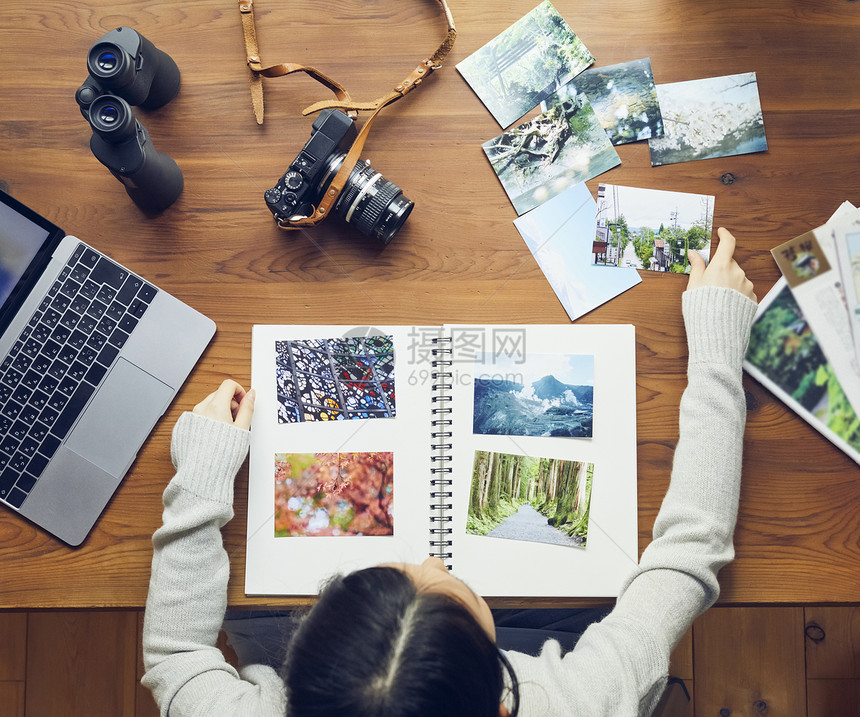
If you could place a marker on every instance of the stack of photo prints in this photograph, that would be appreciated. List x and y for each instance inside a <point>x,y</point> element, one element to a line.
<point>585,113</point>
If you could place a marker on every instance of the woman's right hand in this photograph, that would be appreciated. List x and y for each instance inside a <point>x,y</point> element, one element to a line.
<point>722,270</point>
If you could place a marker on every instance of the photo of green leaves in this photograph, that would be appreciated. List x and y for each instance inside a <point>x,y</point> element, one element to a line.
<point>786,353</point>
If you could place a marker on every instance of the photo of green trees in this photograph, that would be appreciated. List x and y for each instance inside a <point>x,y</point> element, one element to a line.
<point>520,497</point>
<point>526,63</point>
<point>784,349</point>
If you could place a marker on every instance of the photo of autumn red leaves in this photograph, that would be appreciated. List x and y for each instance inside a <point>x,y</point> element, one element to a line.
<point>334,494</point>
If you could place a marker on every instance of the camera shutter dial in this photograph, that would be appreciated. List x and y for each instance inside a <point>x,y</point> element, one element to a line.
<point>293,180</point>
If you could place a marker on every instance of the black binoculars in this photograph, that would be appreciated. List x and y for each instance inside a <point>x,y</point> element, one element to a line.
<point>126,69</point>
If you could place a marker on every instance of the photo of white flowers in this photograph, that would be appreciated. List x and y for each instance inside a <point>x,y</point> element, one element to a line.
<point>703,119</point>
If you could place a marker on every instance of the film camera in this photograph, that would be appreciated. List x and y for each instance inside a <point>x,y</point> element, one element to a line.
<point>127,69</point>
<point>368,201</point>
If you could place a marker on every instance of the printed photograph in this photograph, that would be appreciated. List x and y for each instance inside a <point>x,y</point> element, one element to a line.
<point>560,235</point>
<point>702,119</point>
<point>563,146</point>
<point>786,352</point>
<point>525,64</point>
<point>624,99</point>
<point>548,395</point>
<point>541,500</point>
<point>651,229</point>
<point>334,494</point>
<point>335,379</point>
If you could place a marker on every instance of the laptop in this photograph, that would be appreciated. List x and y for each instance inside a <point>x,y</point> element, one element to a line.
<point>91,355</point>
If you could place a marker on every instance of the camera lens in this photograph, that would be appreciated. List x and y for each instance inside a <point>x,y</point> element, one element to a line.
<point>107,61</point>
<point>372,204</point>
<point>108,115</point>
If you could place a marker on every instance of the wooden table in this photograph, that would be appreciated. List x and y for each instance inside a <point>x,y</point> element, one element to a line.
<point>458,258</point>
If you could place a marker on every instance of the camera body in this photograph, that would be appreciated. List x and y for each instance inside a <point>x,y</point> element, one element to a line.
<point>127,69</point>
<point>368,201</point>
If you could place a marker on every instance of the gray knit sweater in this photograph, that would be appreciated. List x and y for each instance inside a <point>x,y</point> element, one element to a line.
<point>619,666</point>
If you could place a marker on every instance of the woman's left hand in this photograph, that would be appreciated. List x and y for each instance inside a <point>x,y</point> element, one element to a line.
<point>230,403</point>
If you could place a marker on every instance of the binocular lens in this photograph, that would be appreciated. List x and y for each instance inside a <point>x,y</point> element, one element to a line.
<point>107,61</point>
<point>111,118</point>
<point>108,114</point>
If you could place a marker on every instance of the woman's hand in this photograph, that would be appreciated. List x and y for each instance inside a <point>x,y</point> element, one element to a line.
<point>723,270</point>
<point>230,404</point>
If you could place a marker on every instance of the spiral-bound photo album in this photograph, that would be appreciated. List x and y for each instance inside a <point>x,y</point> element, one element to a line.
<point>509,451</point>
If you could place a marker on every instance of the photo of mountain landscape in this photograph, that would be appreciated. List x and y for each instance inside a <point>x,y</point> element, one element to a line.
<point>548,395</point>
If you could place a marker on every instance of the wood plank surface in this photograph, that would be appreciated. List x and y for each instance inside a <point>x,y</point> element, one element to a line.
<point>458,258</point>
<point>13,646</point>
<point>832,698</point>
<point>13,662</point>
<point>832,642</point>
<point>12,698</point>
<point>144,703</point>
<point>750,661</point>
<point>81,663</point>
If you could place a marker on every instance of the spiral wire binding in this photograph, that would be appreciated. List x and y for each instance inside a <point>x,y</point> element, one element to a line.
<point>440,472</point>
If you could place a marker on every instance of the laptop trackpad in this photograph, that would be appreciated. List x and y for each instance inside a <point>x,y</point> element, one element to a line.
<point>120,417</point>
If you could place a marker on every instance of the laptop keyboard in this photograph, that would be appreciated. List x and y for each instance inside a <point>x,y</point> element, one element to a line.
<point>59,360</point>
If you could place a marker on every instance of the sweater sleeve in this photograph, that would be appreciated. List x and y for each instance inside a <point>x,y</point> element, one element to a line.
<point>187,598</point>
<point>620,665</point>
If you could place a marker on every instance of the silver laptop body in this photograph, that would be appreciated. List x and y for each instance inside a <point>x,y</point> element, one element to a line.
<point>91,355</point>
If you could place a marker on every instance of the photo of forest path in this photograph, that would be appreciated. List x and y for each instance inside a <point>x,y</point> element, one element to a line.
<point>540,500</point>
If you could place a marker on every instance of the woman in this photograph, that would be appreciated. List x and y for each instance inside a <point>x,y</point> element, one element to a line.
<point>413,640</point>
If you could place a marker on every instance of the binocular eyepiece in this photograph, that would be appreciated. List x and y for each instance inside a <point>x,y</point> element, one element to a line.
<point>126,69</point>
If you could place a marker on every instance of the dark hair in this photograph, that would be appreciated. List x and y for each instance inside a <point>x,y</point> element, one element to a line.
<point>374,646</point>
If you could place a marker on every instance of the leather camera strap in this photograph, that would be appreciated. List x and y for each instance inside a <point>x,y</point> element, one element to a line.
<point>344,101</point>
<point>322,210</point>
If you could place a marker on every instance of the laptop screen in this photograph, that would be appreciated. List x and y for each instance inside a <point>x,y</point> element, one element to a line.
<point>26,243</point>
